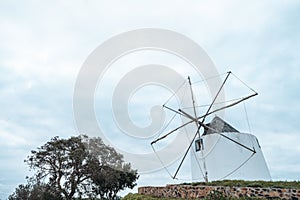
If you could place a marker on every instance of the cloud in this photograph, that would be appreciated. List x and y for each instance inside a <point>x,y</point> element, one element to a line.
<point>8,138</point>
<point>43,45</point>
<point>281,151</point>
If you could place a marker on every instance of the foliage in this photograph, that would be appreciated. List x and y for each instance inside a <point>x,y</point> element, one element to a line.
<point>77,167</point>
<point>112,176</point>
<point>34,191</point>
<point>216,195</point>
<point>22,192</point>
<point>62,162</point>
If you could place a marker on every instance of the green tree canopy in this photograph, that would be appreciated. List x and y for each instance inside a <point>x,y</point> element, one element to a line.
<point>34,190</point>
<point>79,166</point>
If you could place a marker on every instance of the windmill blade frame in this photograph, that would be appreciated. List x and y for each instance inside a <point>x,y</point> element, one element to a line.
<point>199,120</point>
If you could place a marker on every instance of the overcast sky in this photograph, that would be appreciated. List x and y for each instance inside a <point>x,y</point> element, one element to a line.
<point>43,45</point>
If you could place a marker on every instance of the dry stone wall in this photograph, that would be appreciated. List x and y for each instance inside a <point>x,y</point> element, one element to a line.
<point>197,192</point>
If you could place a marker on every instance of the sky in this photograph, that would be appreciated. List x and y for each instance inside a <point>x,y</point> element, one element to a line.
<point>44,44</point>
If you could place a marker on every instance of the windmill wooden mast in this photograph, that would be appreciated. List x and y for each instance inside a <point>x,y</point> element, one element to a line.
<point>200,123</point>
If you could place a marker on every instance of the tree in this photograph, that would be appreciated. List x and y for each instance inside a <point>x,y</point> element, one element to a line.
<point>22,192</point>
<point>62,162</point>
<point>107,170</point>
<point>108,181</point>
<point>80,166</point>
<point>34,191</point>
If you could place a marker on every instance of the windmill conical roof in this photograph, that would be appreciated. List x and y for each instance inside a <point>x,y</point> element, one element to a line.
<point>218,125</point>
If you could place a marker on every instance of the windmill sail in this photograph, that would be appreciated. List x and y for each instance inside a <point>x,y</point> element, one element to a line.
<point>218,150</point>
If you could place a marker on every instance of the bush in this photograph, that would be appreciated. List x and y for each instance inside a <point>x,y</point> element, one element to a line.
<point>214,194</point>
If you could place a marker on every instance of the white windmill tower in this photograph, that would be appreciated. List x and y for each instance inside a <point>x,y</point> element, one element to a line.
<point>218,150</point>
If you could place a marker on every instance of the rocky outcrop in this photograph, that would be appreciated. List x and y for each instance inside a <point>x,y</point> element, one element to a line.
<point>195,192</point>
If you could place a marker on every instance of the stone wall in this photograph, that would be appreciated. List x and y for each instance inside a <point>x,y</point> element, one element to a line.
<point>192,192</point>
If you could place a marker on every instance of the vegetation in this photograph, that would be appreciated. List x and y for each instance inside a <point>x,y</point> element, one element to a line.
<point>75,167</point>
<point>242,183</point>
<point>220,196</point>
<point>85,168</point>
<point>212,196</point>
<point>34,190</point>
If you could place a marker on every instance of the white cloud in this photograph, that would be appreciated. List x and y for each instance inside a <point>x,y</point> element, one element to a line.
<point>8,136</point>
<point>43,45</point>
<point>281,151</point>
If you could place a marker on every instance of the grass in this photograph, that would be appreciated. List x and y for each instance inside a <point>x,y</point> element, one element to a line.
<point>131,196</point>
<point>241,183</point>
<point>230,183</point>
<point>148,197</point>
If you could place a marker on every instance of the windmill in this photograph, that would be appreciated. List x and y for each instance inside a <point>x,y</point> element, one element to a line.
<point>218,150</point>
